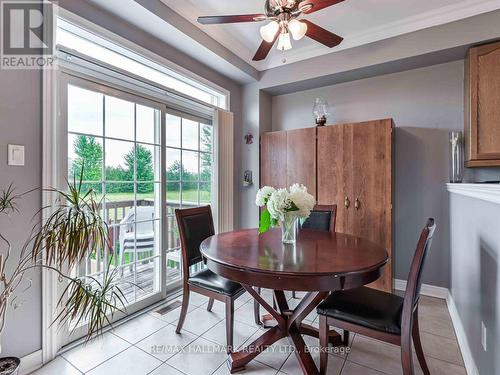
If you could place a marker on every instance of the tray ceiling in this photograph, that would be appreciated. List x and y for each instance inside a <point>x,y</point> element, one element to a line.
<point>358,21</point>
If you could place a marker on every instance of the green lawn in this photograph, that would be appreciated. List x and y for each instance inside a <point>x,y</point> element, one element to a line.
<point>173,196</point>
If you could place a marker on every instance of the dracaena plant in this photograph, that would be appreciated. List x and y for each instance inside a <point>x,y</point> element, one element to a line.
<point>72,231</point>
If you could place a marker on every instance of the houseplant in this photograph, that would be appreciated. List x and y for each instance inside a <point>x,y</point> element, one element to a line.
<point>73,229</point>
<point>284,206</point>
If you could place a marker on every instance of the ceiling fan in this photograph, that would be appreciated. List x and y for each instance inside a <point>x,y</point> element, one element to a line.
<point>283,15</point>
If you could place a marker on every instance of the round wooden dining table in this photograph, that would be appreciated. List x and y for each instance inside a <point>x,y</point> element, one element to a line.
<point>318,263</point>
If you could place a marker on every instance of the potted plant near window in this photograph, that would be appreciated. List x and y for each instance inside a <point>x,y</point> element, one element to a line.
<point>73,229</point>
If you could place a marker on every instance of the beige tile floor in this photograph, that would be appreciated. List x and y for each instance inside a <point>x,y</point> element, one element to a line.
<point>129,348</point>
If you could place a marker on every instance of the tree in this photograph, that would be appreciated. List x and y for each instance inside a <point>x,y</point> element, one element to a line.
<point>206,158</point>
<point>144,164</point>
<point>89,158</point>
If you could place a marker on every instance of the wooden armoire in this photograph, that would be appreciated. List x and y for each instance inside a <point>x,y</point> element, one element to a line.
<point>350,165</point>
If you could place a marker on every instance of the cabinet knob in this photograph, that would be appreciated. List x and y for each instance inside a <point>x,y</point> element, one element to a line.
<point>347,202</point>
<point>357,204</point>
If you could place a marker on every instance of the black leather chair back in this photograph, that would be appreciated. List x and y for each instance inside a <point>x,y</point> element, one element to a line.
<point>322,218</point>
<point>195,225</point>
<point>417,265</point>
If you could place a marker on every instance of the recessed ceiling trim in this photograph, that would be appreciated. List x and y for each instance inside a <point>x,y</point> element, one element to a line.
<point>446,14</point>
<point>441,16</point>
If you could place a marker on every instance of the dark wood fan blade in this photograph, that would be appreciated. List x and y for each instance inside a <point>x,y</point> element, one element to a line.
<point>318,4</point>
<point>213,20</point>
<point>264,49</point>
<point>321,35</point>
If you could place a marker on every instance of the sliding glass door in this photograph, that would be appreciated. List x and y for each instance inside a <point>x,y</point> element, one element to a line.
<point>189,154</point>
<point>143,160</point>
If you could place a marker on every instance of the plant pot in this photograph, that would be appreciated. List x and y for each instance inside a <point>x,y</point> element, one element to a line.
<point>9,365</point>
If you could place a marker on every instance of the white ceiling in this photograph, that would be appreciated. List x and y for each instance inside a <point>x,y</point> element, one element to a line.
<point>358,21</point>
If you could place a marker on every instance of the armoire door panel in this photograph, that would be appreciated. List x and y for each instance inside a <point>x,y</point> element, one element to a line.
<point>331,178</point>
<point>301,158</point>
<point>372,188</point>
<point>273,168</point>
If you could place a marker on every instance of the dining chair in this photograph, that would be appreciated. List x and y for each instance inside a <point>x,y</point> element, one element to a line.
<point>323,218</point>
<point>195,225</point>
<point>380,315</point>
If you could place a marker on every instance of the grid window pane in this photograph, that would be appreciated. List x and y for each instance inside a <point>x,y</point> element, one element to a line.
<point>205,166</point>
<point>189,191</point>
<point>173,131</point>
<point>85,151</point>
<point>173,164</point>
<point>190,134</point>
<point>147,129</point>
<point>85,111</point>
<point>206,137</point>
<point>205,193</point>
<point>119,118</point>
<point>147,162</point>
<point>190,164</point>
<point>119,160</point>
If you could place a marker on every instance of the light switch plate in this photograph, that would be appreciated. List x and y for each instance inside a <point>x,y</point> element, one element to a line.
<point>16,155</point>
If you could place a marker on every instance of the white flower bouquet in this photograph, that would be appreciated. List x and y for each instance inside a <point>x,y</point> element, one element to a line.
<point>285,206</point>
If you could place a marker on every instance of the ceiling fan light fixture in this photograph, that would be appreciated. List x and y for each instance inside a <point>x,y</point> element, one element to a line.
<point>297,29</point>
<point>269,31</point>
<point>284,42</point>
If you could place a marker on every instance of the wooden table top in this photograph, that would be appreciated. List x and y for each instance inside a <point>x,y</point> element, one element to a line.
<point>315,253</point>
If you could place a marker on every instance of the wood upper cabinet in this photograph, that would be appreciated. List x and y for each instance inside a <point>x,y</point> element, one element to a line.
<point>482,106</point>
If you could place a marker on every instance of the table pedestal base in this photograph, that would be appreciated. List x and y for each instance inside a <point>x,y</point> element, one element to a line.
<point>289,324</point>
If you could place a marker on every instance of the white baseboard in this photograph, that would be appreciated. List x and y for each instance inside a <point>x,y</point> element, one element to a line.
<point>470,364</point>
<point>427,290</point>
<point>444,293</point>
<point>30,363</point>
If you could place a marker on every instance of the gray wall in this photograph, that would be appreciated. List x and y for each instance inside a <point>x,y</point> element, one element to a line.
<point>20,123</point>
<point>475,277</point>
<point>426,104</point>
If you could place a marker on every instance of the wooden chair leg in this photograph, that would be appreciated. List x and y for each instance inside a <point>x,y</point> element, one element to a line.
<point>229,323</point>
<point>184,308</point>
<point>256,310</point>
<point>406,354</point>
<point>293,294</point>
<point>210,304</point>
<point>323,345</point>
<point>418,344</point>
<point>345,338</point>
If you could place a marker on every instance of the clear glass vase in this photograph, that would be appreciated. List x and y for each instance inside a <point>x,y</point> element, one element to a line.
<point>289,229</point>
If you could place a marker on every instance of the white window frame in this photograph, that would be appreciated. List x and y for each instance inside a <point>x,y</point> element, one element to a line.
<point>177,70</point>
<point>52,175</point>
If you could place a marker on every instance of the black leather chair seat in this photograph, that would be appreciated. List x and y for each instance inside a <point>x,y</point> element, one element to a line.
<point>211,281</point>
<point>366,307</point>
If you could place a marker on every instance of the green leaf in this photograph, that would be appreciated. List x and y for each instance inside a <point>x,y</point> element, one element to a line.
<point>265,221</point>
<point>293,207</point>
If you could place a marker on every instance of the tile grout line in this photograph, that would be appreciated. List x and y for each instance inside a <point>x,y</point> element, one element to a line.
<point>72,365</point>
